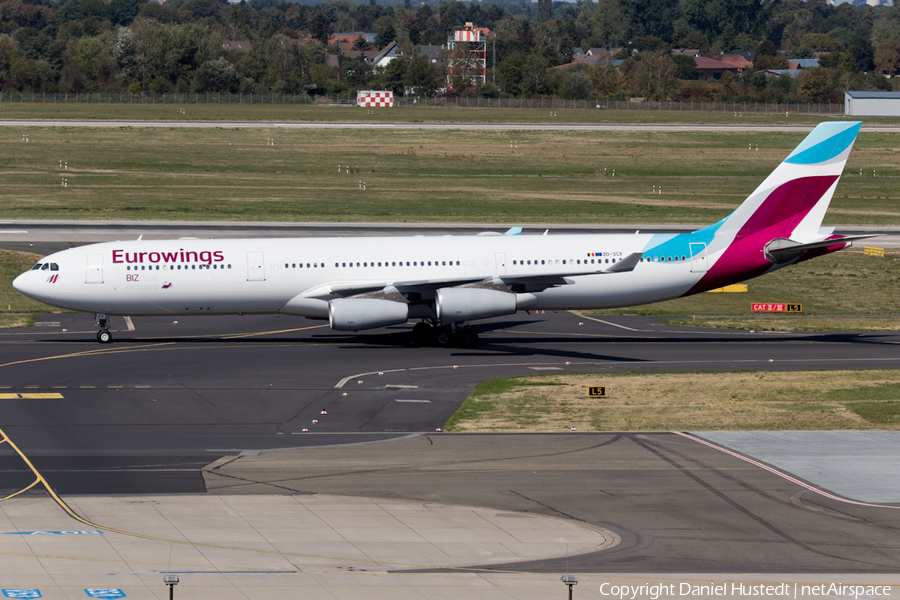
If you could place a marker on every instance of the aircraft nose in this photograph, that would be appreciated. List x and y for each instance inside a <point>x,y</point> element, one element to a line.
<point>25,284</point>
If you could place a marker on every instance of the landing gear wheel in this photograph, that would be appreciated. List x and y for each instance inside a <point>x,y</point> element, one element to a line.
<point>442,336</point>
<point>468,337</point>
<point>104,336</point>
<point>422,333</point>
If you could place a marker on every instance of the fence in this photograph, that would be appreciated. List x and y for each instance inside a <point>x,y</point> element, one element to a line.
<point>545,102</point>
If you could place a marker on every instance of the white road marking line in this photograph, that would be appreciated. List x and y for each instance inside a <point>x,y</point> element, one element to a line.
<point>546,368</point>
<point>129,323</point>
<point>608,323</point>
<point>401,387</point>
<point>411,400</point>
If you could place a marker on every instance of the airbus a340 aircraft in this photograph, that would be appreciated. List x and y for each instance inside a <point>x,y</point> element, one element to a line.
<point>449,281</point>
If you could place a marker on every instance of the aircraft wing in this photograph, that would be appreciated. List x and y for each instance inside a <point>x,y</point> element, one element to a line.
<point>423,289</point>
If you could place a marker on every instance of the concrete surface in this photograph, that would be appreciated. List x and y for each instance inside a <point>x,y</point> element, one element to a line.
<point>860,465</point>
<point>330,547</point>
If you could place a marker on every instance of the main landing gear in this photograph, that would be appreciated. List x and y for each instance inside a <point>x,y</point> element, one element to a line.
<point>425,334</point>
<point>103,336</point>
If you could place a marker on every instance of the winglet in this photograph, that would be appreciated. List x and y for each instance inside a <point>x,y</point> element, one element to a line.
<point>626,264</point>
<point>513,231</point>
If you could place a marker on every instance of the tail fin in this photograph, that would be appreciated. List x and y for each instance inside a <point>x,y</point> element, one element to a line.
<point>780,222</point>
<point>792,201</point>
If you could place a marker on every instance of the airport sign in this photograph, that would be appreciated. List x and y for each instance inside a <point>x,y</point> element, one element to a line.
<point>776,307</point>
<point>596,391</point>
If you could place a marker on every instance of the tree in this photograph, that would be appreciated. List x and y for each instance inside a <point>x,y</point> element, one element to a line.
<point>544,10</point>
<point>236,24</point>
<point>123,12</point>
<point>361,44</point>
<point>887,58</point>
<point>423,77</point>
<point>32,75</point>
<point>575,84</point>
<point>685,66</point>
<point>96,65</point>
<point>320,28</point>
<point>394,76</point>
<point>654,76</point>
<point>567,48</point>
<point>216,76</point>
<point>79,10</point>
<point>650,17</point>
<point>385,36</point>
<point>152,41</point>
<point>607,80</point>
<point>815,83</point>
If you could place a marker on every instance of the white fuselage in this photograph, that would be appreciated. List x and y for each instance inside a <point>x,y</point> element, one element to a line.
<point>174,277</point>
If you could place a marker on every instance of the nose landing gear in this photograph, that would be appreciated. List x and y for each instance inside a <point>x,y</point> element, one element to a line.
<point>103,336</point>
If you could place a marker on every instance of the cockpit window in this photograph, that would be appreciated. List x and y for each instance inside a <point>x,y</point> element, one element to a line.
<point>54,267</point>
<point>46,267</point>
<point>37,267</point>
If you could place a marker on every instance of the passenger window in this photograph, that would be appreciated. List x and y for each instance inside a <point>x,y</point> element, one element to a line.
<point>564,262</point>
<point>229,266</point>
<point>179,267</point>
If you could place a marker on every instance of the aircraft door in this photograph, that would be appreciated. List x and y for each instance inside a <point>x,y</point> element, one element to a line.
<point>501,263</point>
<point>698,257</point>
<point>256,266</point>
<point>93,272</point>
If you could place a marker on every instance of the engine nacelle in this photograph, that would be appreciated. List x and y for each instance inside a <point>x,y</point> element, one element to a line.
<point>355,314</point>
<point>466,304</point>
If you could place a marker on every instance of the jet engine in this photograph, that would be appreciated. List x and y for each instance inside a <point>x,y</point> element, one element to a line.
<point>453,305</point>
<point>355,314</point>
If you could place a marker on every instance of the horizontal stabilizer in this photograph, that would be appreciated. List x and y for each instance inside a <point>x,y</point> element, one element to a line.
<point>782,250</point>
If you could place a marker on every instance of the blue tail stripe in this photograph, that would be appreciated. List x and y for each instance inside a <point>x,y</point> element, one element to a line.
<point>827,141</point>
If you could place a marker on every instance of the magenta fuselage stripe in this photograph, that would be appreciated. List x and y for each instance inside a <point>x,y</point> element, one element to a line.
<point>779,473</point>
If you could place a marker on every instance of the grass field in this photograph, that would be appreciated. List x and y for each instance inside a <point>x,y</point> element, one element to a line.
<point>410,175</point>
<point>280,112</point>
<point>686,401</point>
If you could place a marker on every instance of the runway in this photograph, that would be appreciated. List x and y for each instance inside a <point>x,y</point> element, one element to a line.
<point>669,127</point>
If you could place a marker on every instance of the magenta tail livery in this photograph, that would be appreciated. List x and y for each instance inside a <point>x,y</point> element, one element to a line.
<point>449,281</point>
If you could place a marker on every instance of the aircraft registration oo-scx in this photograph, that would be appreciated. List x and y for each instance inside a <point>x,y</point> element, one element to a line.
<point>448,281</point>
